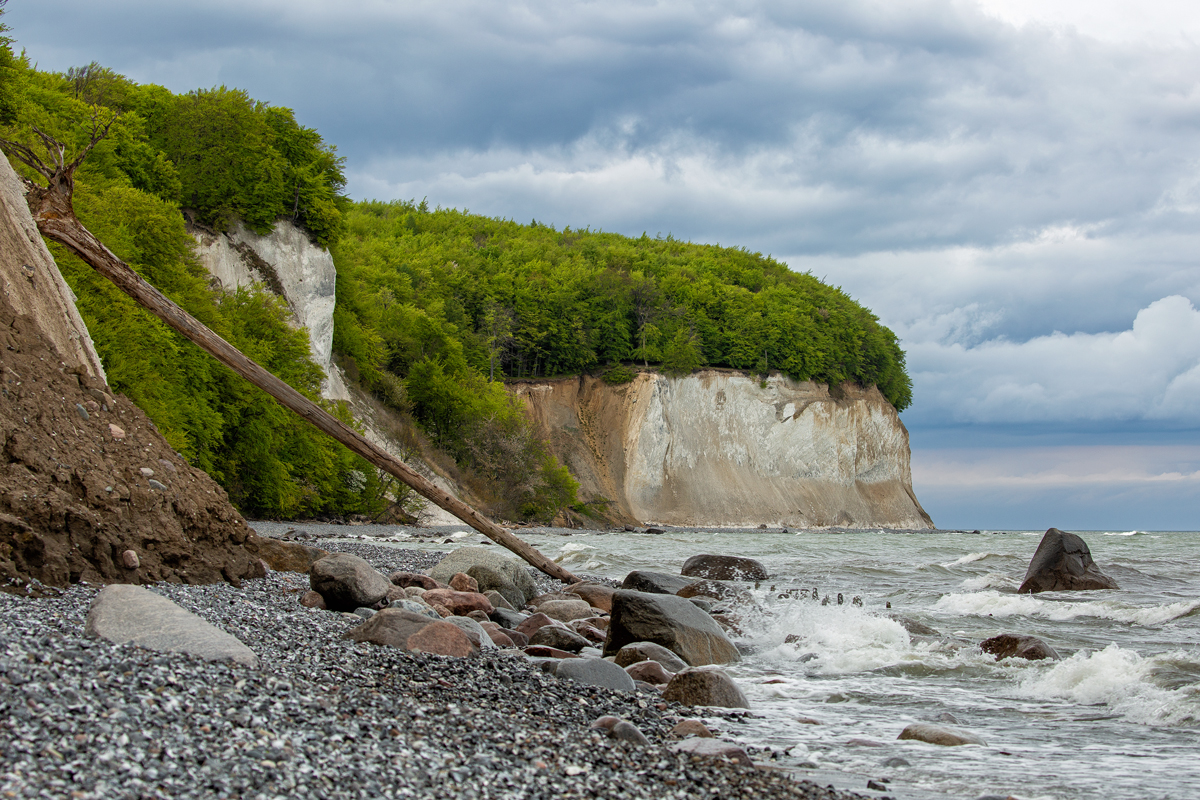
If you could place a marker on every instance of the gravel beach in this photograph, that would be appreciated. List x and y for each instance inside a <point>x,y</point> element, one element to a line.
<point>322,716</point>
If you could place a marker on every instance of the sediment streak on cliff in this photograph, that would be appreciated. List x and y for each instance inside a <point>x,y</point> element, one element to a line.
<point>718,448</point>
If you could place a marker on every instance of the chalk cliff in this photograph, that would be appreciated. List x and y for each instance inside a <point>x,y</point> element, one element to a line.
<point>718,449</point>
<point>289,264</point>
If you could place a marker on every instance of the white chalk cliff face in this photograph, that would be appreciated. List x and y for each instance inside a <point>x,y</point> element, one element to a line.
<point>718,449</point>
<point>289,264</point>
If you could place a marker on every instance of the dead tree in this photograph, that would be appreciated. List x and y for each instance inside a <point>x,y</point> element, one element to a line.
<point>52,210</point>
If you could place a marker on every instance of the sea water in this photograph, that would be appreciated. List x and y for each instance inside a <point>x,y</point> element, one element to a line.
<point>831,686</point>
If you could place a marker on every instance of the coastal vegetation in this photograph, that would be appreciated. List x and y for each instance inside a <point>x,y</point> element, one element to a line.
<point>436,307</point>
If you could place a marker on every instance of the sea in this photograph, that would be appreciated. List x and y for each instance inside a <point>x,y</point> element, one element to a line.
<point>831,685</point>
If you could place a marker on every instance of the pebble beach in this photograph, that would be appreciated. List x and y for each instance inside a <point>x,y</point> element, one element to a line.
<point>323,716</point>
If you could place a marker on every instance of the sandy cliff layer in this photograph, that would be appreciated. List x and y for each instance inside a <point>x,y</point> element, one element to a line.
<point>717,448</point>
<point>289,264</point>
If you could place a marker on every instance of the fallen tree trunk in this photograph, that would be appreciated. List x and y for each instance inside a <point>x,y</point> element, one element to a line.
<point>52,210</point>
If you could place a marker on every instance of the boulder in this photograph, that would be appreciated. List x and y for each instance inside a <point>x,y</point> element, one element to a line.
<point>478,636</point>
<point>462,582</point>
<point>1062,562</point>
<point>311,599</point>
<point>533,622</point>
<point>588,632</point>
<point>713,748</point>
<point>417,633</point>
<point>690,727</point>
<point>548,596</point>
<point>650,672</point>
<point>649,651</point>
<point>596,672</point>
<point>670,621</point>
<point>497,600</point>
<point>459,603</point>
<point>506,617</point>
<point>347,582</point>
<point>652,582</point>
<point>625,731</point>
<point>705,687</point>
<point>939,734</point>
<point>415,607</point>
<point>518,638</point>
<point>1013,645</point>
<point>724,568</point>
<point>492,571</point>
<point>130,614</point>
<point>558,638</point>
<point>501,639</point>
<point>565,610</point>
<point>406,580</point>
<point>594,594</point>
<point>284,556</point>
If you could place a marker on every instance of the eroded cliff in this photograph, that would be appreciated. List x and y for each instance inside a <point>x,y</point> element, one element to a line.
<point>720,449</point>
<point>289,264</point>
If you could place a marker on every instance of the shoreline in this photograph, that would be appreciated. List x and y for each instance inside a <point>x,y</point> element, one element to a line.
<point>321,716</point>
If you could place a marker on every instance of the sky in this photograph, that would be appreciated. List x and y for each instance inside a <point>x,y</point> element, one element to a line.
<point>1013,186</point>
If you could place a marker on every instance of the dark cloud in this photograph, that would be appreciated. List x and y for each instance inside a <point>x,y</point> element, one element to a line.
<point>980,186</point>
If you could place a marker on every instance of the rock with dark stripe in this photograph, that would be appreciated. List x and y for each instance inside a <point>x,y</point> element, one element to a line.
<point>1013,645</point>
<point>724,568</point>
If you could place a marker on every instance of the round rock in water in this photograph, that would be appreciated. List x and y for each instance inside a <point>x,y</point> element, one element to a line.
<point>939,734</point>
<point>724,568</point>
<point>705,687</point>
<point>347,582</point>
<point>1012,645</point>
<point>1062,562</point>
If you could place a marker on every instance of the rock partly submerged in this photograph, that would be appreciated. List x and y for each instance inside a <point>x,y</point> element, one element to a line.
<point>1014,645</point>
<point>129,614</point>
<point>1063,562</point>
<point>670,621</point>
<point>939,734</point>
<point>724,568</point>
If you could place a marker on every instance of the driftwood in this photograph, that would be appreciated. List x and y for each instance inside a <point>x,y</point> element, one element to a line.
<point>55,217</point>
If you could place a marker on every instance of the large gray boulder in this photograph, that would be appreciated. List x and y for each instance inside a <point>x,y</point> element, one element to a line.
<point>670,621</point>
<point>1062,562</point>
<point>130,614</point>
<point>596,672</point>
<point>641,580</point>
<point>492,571</point>
<point>347,582</point>
<point>724,568</point>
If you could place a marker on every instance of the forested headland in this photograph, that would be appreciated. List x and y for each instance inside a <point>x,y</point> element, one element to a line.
<point>435,307</point>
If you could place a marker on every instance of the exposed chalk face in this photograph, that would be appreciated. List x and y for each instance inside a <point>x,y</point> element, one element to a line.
<point>721,448</point>
<point>290,265</point>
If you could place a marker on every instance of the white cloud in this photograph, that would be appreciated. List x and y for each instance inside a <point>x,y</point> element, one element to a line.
<point>1146,372</point>
<point>1061,467</point>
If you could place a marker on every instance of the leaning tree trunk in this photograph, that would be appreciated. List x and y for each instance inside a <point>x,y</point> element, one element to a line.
<point>55,217</point>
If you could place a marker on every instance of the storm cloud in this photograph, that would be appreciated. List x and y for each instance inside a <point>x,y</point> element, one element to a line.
<point>1013,187</point>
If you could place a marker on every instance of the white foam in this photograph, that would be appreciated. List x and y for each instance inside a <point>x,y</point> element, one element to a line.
<point>967,559</point>
<point>836,640</point>
<point>997,604</point>
<point>1117,678</point>
<point>993,580</point>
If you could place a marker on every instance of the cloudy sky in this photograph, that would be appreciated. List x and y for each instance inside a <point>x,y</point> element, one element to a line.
<point>1012,185</point>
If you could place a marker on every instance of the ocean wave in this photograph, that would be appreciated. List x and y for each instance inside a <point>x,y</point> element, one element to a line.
<point>1118,678</point>
<point>993,580</point>
<point>839,640</point>
<point>997,604</point>
<point>967,559</point>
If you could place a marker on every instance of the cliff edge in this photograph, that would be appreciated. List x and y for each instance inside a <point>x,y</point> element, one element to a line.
<point>718,448</point>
